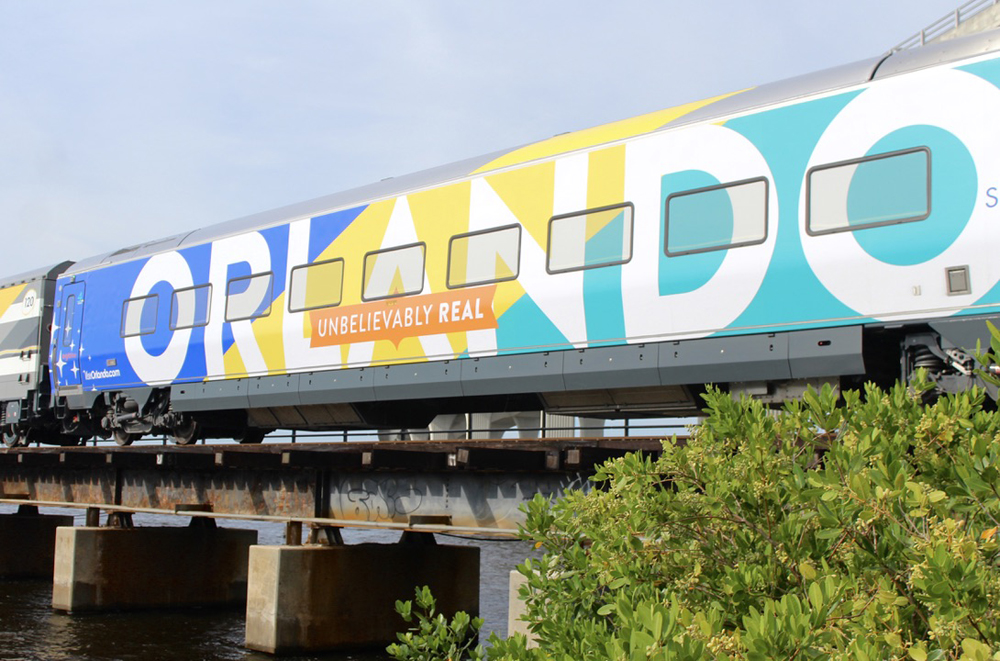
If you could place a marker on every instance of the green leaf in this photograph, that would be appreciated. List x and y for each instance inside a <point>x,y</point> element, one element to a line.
<point>816,596</point>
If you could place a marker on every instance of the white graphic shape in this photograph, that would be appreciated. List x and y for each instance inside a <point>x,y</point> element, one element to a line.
<point>729,157</point>
<point>298,352</point>
<point>958,102</point>
<point>171,268</point>
<point>251,249</point>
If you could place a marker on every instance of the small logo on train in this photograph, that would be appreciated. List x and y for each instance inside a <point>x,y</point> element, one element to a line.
<point>28,303</point>
<point>101,374</point>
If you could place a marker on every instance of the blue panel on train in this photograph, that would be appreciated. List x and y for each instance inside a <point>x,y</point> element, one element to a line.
<point>688,272</point>
<point>324,229</point>
<point>896,188</point>
<point>525,325</point>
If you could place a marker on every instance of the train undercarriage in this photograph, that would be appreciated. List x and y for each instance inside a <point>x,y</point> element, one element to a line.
<point>881,354</point>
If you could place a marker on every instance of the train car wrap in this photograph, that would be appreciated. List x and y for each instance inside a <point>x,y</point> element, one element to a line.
<point>681,234</point>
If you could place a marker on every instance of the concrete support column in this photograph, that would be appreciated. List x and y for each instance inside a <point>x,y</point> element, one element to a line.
<point>112,568</point>
<point>27,543</point>
<point>314,598</point>
<point>516,608</point>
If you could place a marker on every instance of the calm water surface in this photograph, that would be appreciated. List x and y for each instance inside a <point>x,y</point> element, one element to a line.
<point>30,630</point>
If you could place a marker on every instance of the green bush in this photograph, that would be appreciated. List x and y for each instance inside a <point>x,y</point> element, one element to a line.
<point>435,638</point>
<point>855,528</point>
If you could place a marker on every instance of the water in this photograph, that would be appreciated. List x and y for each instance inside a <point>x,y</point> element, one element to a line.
<point>31,630</point>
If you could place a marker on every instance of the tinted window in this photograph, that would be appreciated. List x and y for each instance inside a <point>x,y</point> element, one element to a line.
<point>394,272</point>
<point>716,217</point>
<point>317,285</point>
<point>139,316</point>
<point>249,297</point>
<point>592,238</point>
<point>482,257</point>
<point>190,307</point>
<point>884,189</point>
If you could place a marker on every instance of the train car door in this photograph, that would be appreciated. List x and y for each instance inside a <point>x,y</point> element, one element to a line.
<point>67,338</point>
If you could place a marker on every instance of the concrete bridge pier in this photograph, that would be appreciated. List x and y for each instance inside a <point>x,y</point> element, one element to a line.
<point>330,596</point>
<point>124,567</point>
<point>27,542</point>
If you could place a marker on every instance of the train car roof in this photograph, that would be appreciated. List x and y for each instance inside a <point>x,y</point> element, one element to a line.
<point>939,52</point>
<point>848,75</point>
<point>49,272</point>
<point>828,80</point>
<point>386,188</point>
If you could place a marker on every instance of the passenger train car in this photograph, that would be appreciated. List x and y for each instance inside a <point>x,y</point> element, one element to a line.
<point>837,227</point>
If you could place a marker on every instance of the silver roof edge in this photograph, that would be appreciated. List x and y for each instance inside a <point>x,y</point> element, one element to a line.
<point>390,187</point>
<point>46,272</point>
<point>386,188</point>
<point>129,253</point>
<point>827,80</point>
<point>847,75</point>
<point>939,52</point>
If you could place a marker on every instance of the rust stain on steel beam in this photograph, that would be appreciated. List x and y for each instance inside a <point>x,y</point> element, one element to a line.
<point>472,484</point>
<point>59,485</point>
<point>254,493</point>
<point>258,493</point>
<point>467,500</point>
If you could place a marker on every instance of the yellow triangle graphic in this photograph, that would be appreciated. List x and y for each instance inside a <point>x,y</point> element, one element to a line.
<point>502,270</point>
<point>396,287</point>
<point>8,296</point>
<point>597,222</point>
<point>268,331</point>
<point>528,192</point>
<point>232,362</point>
<point>438,214</point>
<point>508,293</point>
<point>367,230</point>
<point>597,135</point>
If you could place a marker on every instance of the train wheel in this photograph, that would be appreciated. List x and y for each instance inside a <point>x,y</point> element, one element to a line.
<point>251,436</point>
<point>186,434</point>
<point>13,438</point>
<point>123,438</point>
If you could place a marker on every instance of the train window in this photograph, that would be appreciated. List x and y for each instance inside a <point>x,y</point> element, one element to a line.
<point>716,217</point>
<point>189,307</point>
<point>249,297</point>
<point>591,238</point>
<point>482,257</point>
<point>883,189</point>
<point>318,285</point>
<point>394,272</point>
<point>139,315</point>
<point>68,311</point>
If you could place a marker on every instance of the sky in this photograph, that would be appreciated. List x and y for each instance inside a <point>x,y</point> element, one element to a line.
<point>124,121</point>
